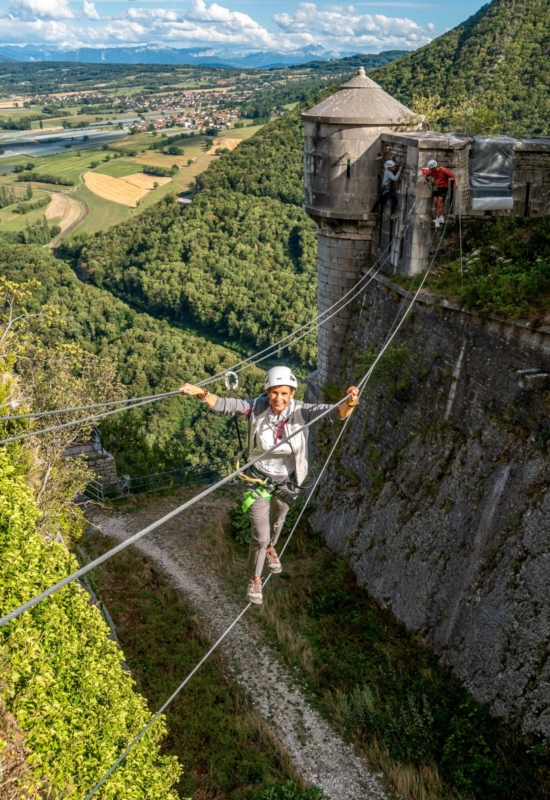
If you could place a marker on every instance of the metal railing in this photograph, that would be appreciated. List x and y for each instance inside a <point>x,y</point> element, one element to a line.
<point>157,482</point>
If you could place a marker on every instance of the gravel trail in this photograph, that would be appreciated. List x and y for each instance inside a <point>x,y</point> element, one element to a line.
<point>321,757</point>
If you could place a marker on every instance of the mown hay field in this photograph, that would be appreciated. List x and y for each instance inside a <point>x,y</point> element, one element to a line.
<point>114,189</point>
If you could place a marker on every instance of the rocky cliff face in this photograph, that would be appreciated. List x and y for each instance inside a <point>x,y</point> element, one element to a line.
<point>439,493</point>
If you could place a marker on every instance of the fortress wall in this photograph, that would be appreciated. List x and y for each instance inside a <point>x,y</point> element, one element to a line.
<point>439,494</point>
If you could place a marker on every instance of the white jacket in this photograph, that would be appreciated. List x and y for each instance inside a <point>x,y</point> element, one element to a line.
<point>300,414</point>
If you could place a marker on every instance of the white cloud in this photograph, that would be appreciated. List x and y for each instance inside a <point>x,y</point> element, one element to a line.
<point>89,10</point>
<point>336,27</point>
<point>41,9</point>
<point>339,25</point>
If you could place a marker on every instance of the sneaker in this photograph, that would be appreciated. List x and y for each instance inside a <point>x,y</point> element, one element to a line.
<point>442,219</point>
<point>436,222</point>
<point>254,591</point>
<point>273,561</point>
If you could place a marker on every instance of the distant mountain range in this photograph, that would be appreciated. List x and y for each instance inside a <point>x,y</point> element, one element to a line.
<point>162,54</point>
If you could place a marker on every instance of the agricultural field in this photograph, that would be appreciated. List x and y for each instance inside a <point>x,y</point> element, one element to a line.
<point>102,195</point>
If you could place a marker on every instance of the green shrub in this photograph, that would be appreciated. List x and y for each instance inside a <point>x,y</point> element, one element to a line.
<point>61,674</point>
<point>44,178</point>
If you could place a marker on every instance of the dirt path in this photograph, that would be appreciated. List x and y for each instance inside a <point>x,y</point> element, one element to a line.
<point>320,755</point>
<point>64,206</point>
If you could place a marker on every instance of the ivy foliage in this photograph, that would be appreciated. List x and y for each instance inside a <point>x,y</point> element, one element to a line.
<point>61,674</point>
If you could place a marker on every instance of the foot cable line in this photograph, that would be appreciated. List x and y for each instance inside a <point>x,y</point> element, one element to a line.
<point>216,644</point>
<point>237,619</point>
<point>251,361</point>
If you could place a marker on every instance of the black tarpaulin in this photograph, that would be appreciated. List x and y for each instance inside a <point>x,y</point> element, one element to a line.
<point>492,173</point>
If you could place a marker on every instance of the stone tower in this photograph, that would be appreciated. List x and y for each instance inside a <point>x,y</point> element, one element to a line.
<point>343,164</point>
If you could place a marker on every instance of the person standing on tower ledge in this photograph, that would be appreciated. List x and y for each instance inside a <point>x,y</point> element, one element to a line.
<point>440,177</point>
<point>273,483</point>
<point>392,173</point>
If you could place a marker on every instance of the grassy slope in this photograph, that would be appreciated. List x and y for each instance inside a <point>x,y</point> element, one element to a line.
<point>381,686</point>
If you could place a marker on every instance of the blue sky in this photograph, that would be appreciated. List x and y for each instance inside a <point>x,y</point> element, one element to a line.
<point>238,24</point>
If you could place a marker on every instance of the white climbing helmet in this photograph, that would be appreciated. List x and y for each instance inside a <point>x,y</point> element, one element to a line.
<point>280,376</point>
<point>390,163</point>
<point>432,164</point>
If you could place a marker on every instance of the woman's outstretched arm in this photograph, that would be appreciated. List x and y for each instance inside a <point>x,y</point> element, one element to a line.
<point>210,399</point>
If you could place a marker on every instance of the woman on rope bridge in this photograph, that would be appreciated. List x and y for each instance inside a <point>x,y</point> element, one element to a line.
<point>275,481</point>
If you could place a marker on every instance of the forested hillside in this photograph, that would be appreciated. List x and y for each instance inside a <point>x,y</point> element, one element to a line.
<point>149,356</point>
<point>500,56</point>
<point>240,260</point>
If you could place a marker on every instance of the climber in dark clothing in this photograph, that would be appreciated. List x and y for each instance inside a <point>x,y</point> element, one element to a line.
<point>392,173</point>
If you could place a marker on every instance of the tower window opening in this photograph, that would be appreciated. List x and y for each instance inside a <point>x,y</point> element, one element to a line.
<point>527,199</point>
<point>402,244</point>
<point>314,166</point>
<point>348,168</point>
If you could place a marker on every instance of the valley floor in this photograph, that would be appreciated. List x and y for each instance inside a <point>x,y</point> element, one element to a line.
<point>189,551</point>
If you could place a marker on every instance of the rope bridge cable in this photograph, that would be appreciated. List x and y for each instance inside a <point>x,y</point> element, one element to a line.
<point>152,399</point>
<point>186,680</point>
<point>135,402</point>
<point>314,323</point>
<point>135,537</point>
<point>105,404</point>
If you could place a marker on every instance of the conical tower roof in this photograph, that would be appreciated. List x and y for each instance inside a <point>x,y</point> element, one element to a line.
<point>360,101</point>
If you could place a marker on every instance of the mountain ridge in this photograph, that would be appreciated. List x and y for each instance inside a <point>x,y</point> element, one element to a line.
<point>500,56</point>
<point>155,53</point>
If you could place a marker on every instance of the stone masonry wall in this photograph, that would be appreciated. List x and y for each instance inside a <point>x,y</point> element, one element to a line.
<point>439,493</point>
<point>99,460</point>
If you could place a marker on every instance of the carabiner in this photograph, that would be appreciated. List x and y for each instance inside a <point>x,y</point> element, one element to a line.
<point>227,378</point>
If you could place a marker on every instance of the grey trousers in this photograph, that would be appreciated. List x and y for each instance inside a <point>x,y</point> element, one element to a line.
<point>266,519</point>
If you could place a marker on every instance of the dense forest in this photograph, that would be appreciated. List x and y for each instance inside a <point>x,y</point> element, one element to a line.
<point>149,355</point>
<point>240,260</point>
<point>500,56</point>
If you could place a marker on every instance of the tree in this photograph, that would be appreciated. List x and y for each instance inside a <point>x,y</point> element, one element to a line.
<point>29,191</point>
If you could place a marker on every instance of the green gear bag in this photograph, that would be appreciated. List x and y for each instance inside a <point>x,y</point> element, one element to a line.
<point>255,494</point>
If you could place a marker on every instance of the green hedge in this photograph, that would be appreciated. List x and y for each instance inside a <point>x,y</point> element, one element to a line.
<point>61,674</point>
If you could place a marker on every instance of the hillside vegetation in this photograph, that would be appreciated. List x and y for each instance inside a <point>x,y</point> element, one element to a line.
<point>61,675</point>
<point>500,56</point>
<point>148,356</point>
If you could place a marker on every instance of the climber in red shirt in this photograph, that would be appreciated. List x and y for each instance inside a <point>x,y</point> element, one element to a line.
<point>440,177</point>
